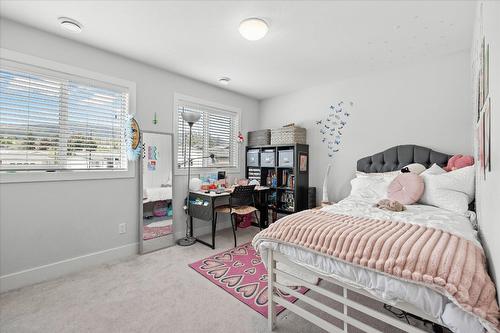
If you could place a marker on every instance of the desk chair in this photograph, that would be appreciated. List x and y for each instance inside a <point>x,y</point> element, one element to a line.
<point>241,202</point>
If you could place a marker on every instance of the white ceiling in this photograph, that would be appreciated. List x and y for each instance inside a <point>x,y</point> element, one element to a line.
<point>309,42</point>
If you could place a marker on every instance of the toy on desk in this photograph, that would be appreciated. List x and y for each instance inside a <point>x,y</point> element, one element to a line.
<point>221,183</point>
<point>209,177</point>
<point>208,187</point>
<point>195,184</point>
<point>243,182</point>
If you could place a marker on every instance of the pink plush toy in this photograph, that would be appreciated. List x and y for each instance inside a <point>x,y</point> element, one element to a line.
<point>458,162</point>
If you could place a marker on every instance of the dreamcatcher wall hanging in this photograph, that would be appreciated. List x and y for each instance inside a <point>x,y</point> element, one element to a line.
<point>333,125</point>
<point>132,138</point>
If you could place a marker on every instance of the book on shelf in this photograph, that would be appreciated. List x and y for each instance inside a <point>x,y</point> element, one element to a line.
<point>287,201</point>
<point>271,178</point>
<point>287,179</point>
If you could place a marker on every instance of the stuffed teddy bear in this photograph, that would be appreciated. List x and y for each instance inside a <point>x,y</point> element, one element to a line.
<point>458,162</point>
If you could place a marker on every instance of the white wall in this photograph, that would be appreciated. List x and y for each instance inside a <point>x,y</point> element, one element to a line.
<point>426,104</point>
<point>49,223</point>
<point>488,191</point>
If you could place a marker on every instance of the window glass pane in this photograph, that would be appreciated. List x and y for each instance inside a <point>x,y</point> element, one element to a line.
<point>215,133</point>
<point>29,120</point>
<point>197,142</point>
<point>49,122</point>
<point>219,138</point>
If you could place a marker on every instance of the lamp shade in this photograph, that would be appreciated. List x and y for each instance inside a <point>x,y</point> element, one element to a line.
<point>191,116</point>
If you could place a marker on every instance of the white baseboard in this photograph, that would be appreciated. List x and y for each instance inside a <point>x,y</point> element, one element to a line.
<point>57,269</point>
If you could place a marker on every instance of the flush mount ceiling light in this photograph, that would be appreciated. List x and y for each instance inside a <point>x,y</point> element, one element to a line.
<point>224,81</point>
<point>253,28</point>
<point>70,25</point>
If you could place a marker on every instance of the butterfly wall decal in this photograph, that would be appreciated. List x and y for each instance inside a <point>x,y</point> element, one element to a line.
<point>330,126</point>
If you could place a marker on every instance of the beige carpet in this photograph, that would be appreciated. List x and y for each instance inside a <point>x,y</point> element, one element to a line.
<point>156,292</point>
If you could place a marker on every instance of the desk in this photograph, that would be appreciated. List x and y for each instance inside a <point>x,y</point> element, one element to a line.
<point>206,211</point>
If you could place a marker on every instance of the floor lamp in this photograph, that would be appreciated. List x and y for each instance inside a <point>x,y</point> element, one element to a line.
<point>189,117</point>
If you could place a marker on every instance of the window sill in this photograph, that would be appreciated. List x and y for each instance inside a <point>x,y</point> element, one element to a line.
<point>64,175</point>
<point>197,171</point>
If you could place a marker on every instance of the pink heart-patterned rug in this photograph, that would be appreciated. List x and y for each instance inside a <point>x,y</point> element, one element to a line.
<point>241,272</point>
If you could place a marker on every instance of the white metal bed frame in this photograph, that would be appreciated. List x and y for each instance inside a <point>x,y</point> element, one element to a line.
<point>273,257</point>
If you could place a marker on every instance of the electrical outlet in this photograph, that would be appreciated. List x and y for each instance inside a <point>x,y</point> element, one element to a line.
<point>122,228</point>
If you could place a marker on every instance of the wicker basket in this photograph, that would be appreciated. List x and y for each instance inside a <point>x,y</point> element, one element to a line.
<point>259,138</point>
<point>288,135</point>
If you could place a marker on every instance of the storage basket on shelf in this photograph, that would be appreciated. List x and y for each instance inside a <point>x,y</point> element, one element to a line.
<point>259,138</point>
<point>288,135</point>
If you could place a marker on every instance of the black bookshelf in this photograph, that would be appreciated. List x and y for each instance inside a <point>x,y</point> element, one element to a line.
<point>289,190</point>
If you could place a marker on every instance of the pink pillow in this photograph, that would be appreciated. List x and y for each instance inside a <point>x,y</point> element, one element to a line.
<point>406,188</point>
<point>458,162</point>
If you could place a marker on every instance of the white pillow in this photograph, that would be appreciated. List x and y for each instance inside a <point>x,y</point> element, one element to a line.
<point>372,187</point>
<point>390,174</point>
<point>433,170</point>
<point>415,168</point>
<point>452,190</point>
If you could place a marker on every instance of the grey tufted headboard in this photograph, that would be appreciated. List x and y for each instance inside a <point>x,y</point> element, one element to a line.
<point>398,157</point>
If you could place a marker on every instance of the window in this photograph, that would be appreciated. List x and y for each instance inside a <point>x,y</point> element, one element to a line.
<point>215,133</point>
<point>52,121</point>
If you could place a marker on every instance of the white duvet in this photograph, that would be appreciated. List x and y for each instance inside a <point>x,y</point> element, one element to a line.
<point>389,289</point>
<point>151,194</point>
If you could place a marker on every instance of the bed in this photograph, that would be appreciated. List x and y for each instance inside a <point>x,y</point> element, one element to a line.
<point>152,194</point>
<point>289,264</point>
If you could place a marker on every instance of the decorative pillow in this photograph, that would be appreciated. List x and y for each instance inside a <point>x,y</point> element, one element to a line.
<point>415,168</point>
<point>372,188</point>
<point>389,174</point>
<point>406,188</point>
<point>458,162</point>
<point>452,190</point>
<point>433,170</point>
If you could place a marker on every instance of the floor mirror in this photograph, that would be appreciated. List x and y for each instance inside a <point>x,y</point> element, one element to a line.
<point>157,211</point>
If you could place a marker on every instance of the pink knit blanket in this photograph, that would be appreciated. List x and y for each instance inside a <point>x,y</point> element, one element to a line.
<point>449,264</point>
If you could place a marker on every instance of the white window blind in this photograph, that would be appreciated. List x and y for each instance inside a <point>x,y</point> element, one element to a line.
<point>215,133</point>
<point>55,121</point>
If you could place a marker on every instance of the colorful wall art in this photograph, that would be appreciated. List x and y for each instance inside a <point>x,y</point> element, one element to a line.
<point>132,138</point>
<point>152,157</point>
<point>333,125</point>
<point>152,153</point>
